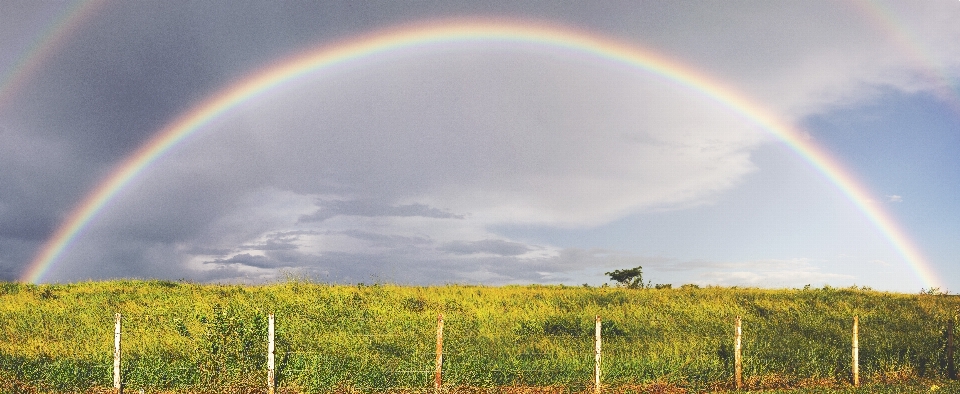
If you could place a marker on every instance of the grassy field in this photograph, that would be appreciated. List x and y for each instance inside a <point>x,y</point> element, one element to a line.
<point>182,337</point>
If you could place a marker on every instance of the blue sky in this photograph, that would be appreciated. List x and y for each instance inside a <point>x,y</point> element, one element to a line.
<point>906,145</point>
<point>482,162</point>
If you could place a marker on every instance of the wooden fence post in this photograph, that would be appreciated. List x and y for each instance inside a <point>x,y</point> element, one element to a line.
<point>437,376</point>
<point>117,385</point>
<point>856,351</point>
<point>596,358</point>
<point>271,374</point>
<point>737,358</point>
<point>951,367</point>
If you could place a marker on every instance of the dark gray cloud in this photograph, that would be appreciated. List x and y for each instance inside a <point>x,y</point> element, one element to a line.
<point>332,208</point>
<point>13,252</point>
<point>569,265</point>
<point>271,244</point>
<point>249,260</point>
<point>284,240</point>
<point>342,267</point>
<point>26,225</point>
<point>208,251</point>
<point>386,240</point>
<point>490,246</point>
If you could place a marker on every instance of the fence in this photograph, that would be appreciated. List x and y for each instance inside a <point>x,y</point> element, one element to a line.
<point>597,383</point>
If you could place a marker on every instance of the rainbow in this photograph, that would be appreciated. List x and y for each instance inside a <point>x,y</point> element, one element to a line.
<point>903,37</point>
<point>45,45</point>
<point>460,32</point>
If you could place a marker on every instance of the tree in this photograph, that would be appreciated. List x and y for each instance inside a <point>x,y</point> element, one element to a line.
<point>631,278</point>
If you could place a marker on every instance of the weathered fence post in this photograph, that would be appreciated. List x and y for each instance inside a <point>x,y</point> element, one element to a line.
<point>271,374</point>
<point>437,376</point>
<point>951,367</point>
<point>596,358</point>
<point>856,351</point>
<point>117,385</point>
<point>737,359</point>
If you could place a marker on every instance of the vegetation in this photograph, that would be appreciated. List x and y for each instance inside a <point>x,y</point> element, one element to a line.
<point>631,278</point>
<point>211,338</point>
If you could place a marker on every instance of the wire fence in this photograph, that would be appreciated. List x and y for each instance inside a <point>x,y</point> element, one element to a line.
<point>371,353</point>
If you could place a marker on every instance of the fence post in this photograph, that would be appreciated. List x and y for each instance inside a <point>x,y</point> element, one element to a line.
<point>271,375</point>
<point>951,367</point>
<point>737,358</point>
<point>117,385</point>
<point>596,358</point>
<point>437,377</point>
<point>856,351</point>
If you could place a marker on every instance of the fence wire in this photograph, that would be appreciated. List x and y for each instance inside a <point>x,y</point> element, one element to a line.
<point>561,350</point>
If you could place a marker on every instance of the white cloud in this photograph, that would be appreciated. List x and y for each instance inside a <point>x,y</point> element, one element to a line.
<point>880,263</point>
<point>894,198</point>
<point>763,273</point>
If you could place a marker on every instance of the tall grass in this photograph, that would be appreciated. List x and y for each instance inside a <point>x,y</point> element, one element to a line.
<point>182,336</point>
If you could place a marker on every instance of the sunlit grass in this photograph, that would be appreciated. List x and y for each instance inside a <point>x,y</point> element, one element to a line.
<point>182,336</point>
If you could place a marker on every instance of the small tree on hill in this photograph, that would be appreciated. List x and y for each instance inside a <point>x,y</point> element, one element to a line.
<point>631,278</point>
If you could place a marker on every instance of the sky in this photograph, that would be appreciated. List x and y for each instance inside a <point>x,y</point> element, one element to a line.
<point>484,161</point>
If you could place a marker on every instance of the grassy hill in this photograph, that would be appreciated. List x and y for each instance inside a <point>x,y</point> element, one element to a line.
<point>191,337</point>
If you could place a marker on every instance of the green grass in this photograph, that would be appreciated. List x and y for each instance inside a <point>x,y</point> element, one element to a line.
<point>190,337</point>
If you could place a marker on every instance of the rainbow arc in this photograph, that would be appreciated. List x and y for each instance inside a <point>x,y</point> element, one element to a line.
<point>357,50</point>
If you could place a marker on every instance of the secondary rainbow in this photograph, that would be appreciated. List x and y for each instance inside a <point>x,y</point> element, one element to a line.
<point>427,35</point>
<point>906,40</point>
<point>45,45</point>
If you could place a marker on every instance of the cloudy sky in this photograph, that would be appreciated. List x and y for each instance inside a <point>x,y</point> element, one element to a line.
<point>483,161</point>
